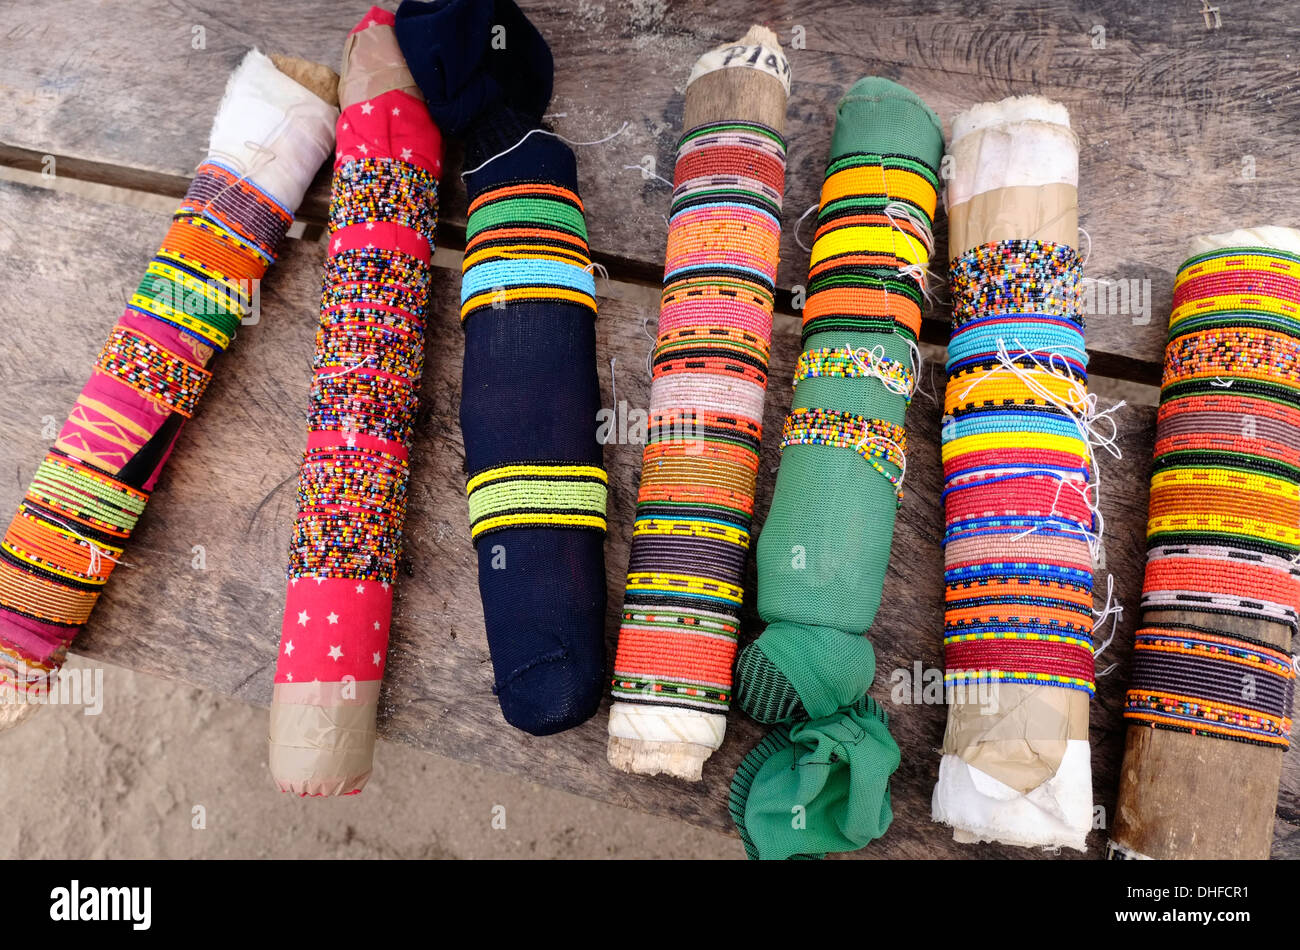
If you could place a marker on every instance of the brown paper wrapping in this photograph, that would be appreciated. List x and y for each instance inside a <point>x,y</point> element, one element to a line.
<point>1045,213</point>
<point>373,65</point>
<point>322,736</point>
<point>1019,738</point>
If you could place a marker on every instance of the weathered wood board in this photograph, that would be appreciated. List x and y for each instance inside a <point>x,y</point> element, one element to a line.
<point>1183,116</point>
<point>69,265</point>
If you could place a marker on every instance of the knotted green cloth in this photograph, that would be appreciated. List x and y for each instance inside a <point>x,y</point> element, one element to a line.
<point>818,786</point>
<point>825,545</point>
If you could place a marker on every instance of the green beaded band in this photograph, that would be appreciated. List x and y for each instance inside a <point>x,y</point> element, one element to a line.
<point>536,212</point>
<point>545,494</point>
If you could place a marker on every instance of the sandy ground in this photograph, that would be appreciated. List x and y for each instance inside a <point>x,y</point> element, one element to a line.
<point>126,783</point>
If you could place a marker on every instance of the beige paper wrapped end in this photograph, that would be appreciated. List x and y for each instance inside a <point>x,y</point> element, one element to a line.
<point>322,737</point>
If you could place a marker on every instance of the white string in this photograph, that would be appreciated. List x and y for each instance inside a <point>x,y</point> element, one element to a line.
<point>870,366</point>
<point>613,384</point>
<point>922,277</point>
<point>919,363</point>
<point>1115,611</point>
<point>1084,230</point>
<point>1221,383</point>
<point>1081,409</point>
<point>543,132</point>
<point>646,173</point>
<point>594,267</point>
<point>798,240</point>
<point>369,358</point>
<point>645,328</point>
<point>904,212</point>
<point>97,554</point>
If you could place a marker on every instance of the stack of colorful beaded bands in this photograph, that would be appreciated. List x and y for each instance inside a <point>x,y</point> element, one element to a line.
<point>672,673</point>
<point>73,524</point>
<point>1016,467</point>
<point>825,544</point>
<point>1018,491</point>
<point>1221,597</point>
<point>364,397</point>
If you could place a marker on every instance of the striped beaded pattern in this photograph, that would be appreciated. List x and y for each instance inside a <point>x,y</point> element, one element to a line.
<point>73,524</point>
<point>550,494</point>
<point>1208,684</point>
<point>527,242</point>
<point>1017,471</point>
<point>1222,535</point>
<point>696,501</point>
<point>873,223</point>
<point>875,218</point>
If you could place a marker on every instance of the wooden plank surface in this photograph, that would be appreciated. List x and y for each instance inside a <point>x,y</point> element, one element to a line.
<point>1183,126</point>
<point>70,264</point>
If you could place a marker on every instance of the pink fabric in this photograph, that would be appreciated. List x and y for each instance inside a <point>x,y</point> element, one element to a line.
<point>333,628</point>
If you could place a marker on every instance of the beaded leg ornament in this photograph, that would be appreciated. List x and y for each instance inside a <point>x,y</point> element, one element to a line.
<point>536,483</point>
<point>672,672</point>
<point>1221,596</point>
<point>825,544</point>
<point>73,525</point>
<point>1019,486</point>
<point>364,397</point>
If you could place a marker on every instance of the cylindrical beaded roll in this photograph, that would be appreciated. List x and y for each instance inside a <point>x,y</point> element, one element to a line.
<point>73,524</point>
<point>530,394</point>
<point>536,497</point>
<point>1019,488</point>
<point>672,672</point>
<point>364,396</point>
<point>1221,596</point>
<point>825,544</point>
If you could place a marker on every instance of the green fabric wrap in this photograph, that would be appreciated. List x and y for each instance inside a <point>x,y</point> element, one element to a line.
<point>822,557</point>
<point>818,786</point>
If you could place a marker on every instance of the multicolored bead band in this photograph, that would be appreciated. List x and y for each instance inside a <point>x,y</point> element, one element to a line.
<point>681,611</point>
<point>1222,536</point>
<point>871,438</point>
<point>1208,684</point>
<point>526,241</point>
<point>150,369</point>
<point>1017,471</point>
<point>381,190</point>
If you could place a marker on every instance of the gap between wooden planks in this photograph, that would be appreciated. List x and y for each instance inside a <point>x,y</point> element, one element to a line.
<point>28,167</point>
